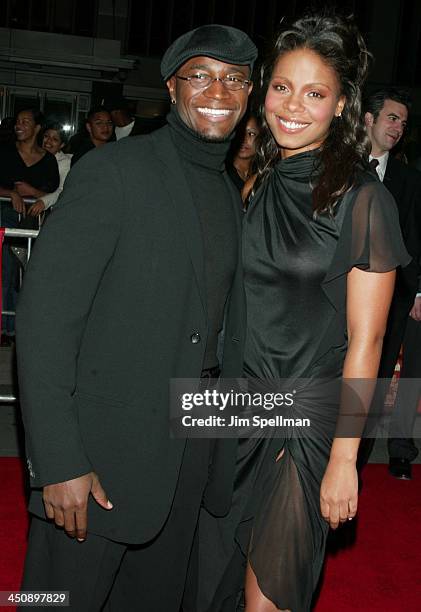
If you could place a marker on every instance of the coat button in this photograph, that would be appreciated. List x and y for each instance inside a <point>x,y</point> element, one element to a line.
<point>195,338</point>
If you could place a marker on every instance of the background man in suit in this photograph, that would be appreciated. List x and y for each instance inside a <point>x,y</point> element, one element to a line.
<point>402,449</point>
<point>386,117</point>
<point>146,276</point>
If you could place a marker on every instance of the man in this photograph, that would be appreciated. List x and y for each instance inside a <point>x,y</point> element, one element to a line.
<point>386,118</point>
<point>125,124</point>
<point>99,127</point>
<point>402,449</point>
<point>128,302</point>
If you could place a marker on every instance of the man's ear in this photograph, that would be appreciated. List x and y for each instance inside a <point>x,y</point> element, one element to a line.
<point>369,119</point>
<point>88,128</point>
<point>171,83</point>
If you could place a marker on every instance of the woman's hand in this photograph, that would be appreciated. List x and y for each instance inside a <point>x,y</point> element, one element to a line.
<point>36,209</point>
<point>17,202</point>
<point>339,492</point>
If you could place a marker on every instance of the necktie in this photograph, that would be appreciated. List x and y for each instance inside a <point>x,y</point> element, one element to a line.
<point>374,163</point>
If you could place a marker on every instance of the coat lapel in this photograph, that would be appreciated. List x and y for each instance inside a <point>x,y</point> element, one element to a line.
<point>394,182</point>
<point>174,180</point>
<point>235,203</point>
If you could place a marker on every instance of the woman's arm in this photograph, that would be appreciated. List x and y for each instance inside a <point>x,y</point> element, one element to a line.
<point>49,199</point>
<point>28,191</point>
<point>368,300</point>
<point>16,199</point>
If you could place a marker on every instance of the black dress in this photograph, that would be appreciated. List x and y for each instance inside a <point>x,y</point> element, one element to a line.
<point>296,267</point>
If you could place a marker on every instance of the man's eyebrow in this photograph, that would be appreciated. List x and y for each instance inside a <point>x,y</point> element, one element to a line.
<point>199,66</point>
<point>230,70</point>
<point>395,116</point>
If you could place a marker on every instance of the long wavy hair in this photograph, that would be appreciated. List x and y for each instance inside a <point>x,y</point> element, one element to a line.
<point>338,42</point>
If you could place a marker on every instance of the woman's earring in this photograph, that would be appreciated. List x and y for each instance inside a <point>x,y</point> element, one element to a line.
<point>173,101</point>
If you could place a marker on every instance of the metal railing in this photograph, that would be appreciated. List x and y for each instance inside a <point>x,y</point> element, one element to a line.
<point>7,200</point>
<point>20,233</point>
<point>7,392</point>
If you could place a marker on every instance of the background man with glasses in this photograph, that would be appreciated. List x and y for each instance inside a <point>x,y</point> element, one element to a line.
<point>127,303</point>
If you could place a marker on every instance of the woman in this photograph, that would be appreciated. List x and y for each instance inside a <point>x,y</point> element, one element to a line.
<point>53,141</point>
<point>321,244</point>
<point>321,248</point>
<point>26,170</point>
<point>241,161</point>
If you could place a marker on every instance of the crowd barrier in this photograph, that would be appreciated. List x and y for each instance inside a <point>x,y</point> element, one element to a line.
<point>7,391</point>
<point>27,201</point>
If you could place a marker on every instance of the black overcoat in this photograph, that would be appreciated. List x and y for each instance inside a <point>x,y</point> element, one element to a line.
<point>113,296</point>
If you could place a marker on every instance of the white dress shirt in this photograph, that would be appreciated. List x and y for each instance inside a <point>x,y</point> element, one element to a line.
<point>122,132</point>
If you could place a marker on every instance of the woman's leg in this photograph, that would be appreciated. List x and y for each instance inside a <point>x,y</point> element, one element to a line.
<point>255,600</point>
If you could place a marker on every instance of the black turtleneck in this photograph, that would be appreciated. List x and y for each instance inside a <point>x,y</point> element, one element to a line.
<point>204,163</point>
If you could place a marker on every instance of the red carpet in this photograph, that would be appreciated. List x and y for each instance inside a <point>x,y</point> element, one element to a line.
<point>379,572</point>
<point>13,524</point>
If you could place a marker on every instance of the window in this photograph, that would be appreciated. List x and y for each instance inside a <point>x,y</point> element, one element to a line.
<point>60,16</point>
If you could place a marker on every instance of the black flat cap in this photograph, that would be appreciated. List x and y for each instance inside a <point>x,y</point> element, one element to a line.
<point>220,42</point>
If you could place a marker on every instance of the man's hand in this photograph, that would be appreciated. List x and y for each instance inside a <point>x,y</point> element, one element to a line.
<point>416,309</point>
<point>339,492</point>
<point>36,209</point>
<point>66,503</point>
<point>17,202</point>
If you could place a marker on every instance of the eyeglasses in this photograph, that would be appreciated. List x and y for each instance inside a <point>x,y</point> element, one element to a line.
<point>203,81</point>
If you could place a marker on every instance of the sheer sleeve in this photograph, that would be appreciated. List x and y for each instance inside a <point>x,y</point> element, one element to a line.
<point>376,244</point>
<point>370,238</point>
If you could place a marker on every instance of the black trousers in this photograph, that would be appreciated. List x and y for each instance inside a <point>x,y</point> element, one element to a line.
<point>108,576</point>
<point>400,443</point>
<point>396,325</point>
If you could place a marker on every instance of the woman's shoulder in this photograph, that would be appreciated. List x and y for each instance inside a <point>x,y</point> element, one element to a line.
<point>46,157</point>
<point>64,157</point>
<point>367,189</point>
<point>368,206</point>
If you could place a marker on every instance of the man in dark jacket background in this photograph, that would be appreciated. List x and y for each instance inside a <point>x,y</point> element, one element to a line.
<point>386,117</point>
